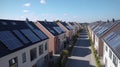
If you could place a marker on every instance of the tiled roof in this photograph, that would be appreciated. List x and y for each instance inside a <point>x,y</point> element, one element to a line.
<point>16,35</point>
<point>52,27</point>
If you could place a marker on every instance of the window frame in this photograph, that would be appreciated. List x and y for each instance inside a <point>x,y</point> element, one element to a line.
<point>13,62</point>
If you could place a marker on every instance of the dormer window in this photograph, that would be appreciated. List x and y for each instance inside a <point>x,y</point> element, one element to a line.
<point>4,23</point>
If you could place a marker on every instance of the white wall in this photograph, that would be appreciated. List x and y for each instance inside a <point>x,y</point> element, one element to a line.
<point>4,61</point>
<point>106,55</point>
<point>96,42</point>
<point>92,35</point>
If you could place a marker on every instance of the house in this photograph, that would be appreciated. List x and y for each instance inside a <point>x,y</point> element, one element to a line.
<point>111,51</point>
<point>93,27</point>
<point>99,32</point>
<point>22,46</point>
<point>68,29</point>
<point>78,26</point>
<point>57,37</point>
<point>75,26</point>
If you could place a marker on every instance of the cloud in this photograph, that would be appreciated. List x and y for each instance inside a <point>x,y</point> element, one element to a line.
<point>25,11</point>
<point>27,4</point>
<point>65,14</point>
<point>42,1</point>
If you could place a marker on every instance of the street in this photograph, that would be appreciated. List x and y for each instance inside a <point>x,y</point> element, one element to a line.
<point>81,55</point>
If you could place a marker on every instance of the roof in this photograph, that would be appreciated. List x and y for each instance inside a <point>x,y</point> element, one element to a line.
<point>16,35</point>
<point>113,41</point>
<point>66,25</point>
<point>52,27</point>
<point>73,25</point>
<point>93,25</point>
<point>103,28</point>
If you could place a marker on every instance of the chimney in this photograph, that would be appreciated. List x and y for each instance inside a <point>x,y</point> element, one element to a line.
<point>27,20</point>
<point>113,20</point>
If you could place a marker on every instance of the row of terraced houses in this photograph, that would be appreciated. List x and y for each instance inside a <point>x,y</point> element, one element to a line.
<point>33,44</point>
<point>106,39</point>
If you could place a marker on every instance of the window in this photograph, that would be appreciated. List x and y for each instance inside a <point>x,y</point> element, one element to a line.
<point>13,62</point>
<point>115,60</point>
<point>35,65</point>
<point>40,49</point>
<point>46,46</point>
<point>106,48</point>
<point>24,57</point>
<point>110,54</point>
<point>33,54</point>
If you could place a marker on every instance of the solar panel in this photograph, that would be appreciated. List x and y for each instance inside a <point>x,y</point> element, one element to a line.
<point>108,36</point>
<point>9,40</point>
<point>20,36</point>
<point>30,35</point>
<point>68,27</point>
<point>115,41</point>
<point>40,34</point>
<point>30,26</point>
<point>50,30</point>
<point>56,29</point>
<point>103,29</point>
<point>61,29</point>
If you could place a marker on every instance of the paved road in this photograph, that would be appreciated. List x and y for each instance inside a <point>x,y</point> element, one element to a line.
<point>81,54</point>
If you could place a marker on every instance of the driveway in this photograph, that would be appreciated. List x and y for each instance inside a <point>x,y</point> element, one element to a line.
<point>81,54</point>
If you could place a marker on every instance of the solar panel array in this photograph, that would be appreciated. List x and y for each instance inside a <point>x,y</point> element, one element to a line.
<point>113,39</point>
<point>68,27</point>
<point>10,41</point>
<point>19,34</point>
<point>37,31</point>
<point>101,30</point>
<point>40,34</point>
<point>30,35</point>
<point>52,31</point>
<point>58,29</point>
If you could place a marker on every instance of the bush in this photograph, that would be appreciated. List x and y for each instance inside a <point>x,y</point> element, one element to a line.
<point>64,57</point>
<point>65,53</point>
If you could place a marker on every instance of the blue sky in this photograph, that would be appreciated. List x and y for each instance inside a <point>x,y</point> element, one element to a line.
<point>66,10</point>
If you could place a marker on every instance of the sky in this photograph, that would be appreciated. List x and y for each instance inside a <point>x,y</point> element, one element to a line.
<point>65,10</point>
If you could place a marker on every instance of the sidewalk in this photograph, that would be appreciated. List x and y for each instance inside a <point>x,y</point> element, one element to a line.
<point>81,55</point>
